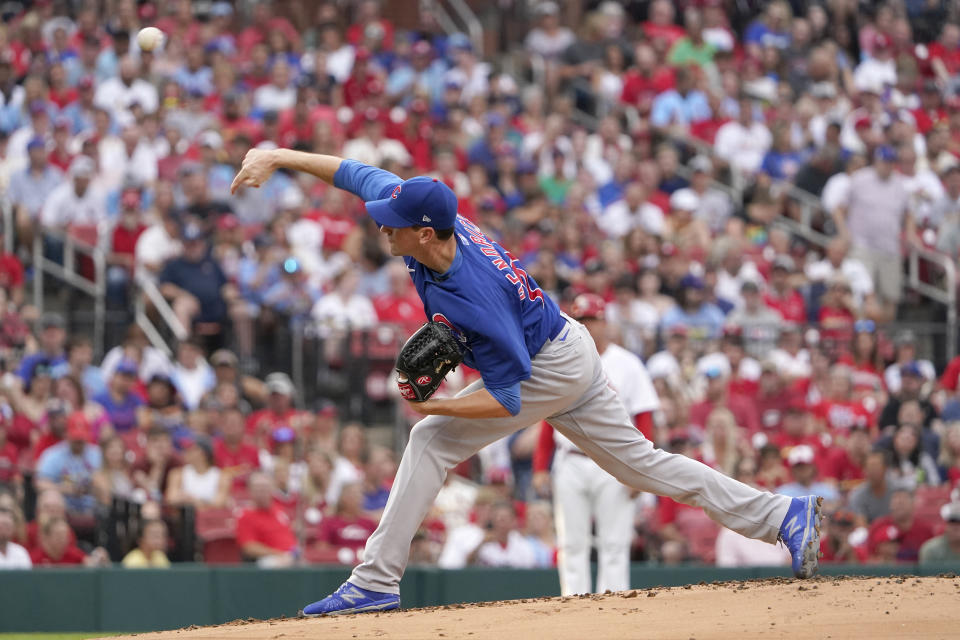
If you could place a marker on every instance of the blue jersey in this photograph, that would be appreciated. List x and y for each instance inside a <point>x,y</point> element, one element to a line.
<point>495,309</point>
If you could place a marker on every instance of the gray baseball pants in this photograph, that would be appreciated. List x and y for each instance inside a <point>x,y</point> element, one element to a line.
<point>568,388</point>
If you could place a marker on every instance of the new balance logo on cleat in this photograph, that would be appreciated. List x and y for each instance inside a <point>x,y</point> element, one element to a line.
<point>792,526</point>
<point>351,595</point>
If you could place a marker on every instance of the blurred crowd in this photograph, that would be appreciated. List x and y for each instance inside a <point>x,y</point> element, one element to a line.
<point>644,151</point>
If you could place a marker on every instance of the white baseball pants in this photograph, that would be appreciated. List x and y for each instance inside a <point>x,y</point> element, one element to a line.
<point>585,493</point>
<point>568,388</point>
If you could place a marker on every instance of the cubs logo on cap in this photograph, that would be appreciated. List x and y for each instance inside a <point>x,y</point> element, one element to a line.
<point>419,201</point>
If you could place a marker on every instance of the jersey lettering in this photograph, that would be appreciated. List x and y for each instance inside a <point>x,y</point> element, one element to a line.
<point>514,273</point>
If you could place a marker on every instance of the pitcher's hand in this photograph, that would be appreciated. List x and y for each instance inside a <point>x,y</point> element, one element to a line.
<point>258,166</point>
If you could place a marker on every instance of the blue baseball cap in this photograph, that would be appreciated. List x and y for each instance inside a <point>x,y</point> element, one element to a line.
<point>36,142</point>
<point>886,153</point>
<point>911,369</point>
<point>127,367</point>
<point>421,201</point>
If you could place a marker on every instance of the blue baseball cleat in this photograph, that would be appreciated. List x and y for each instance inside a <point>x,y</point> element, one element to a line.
<point>350,598</point>
<point>800,531</point>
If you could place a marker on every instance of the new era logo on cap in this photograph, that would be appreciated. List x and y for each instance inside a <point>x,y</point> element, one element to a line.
<point>418,201</point>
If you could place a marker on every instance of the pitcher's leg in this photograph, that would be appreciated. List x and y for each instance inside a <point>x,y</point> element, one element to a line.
<point>601,428</point>
<point>615,511</point>
<point>437,443</point>
<point>572,516</point>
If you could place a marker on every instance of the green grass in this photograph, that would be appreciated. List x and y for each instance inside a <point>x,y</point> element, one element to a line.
<point>55,636</point>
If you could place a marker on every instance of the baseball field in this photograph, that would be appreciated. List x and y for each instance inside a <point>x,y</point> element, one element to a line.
<point>824,607</point>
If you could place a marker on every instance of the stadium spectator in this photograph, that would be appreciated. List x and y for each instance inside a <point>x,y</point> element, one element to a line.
<point>50,353</point>
<point>76,203</point>
<point>377,480</point>
<point>733,549</point>
<point>55,547</point>
<point>905,352</point>
<point>911,463</point>
<point>79,366</point>
<point>69,466</point>
<point>113,479</point>
<point>151,549</point>
<point>29,187</point>
<point>279,411</point>
<point>743,143</point>
<point>151,471</point>
<point>198,482</point>
<point>120,401</point>
<point>540,533</point>
<point>503,545</point>
<point>718,395</point>
<point>871,499</point>
<point>346,530</point>
<point>12,555</point>
<point>699,317</point>
<point>349,463</point>
<point>944,548</point>
<point>898,537</point>
<point>803,471</point>
<point>912,380</point>
<point>264,531</point>
<point>195,284</point>
<point>236,457</point>
<point>835,543</point>
<point>875,213</point>
<point>192,375</point>
<point>950,455</point>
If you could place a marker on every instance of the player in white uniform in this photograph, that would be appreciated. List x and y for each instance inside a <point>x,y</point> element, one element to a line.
<point>583,493</point>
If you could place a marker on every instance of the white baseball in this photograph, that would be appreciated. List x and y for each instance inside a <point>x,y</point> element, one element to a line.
<point>149,38</point>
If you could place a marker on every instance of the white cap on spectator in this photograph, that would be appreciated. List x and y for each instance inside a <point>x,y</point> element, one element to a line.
<point>701,164</point>
<point>823,90</point>
<point>211,139</point>
<point>610,8</point>
<point>280,383</point>
<point>291,198</point>
<point>548,8</point>
<point>83,166</point>
<point>684,200</point>
<point>800,454</point>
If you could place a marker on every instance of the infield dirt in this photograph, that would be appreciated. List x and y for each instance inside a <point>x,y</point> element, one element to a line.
<point>824,607</point>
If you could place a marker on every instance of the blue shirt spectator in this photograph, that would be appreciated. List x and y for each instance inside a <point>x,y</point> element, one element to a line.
<point>69,466</point>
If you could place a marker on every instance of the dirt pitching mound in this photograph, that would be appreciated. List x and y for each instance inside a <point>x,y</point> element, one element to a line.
<point>825,607</point>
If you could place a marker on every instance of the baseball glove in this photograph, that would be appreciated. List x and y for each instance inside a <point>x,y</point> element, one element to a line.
<point>426,358</point>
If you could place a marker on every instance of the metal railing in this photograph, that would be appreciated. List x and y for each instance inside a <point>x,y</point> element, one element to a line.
<point>67,272</point>
<point>464,14</point>
<point>148,291</point>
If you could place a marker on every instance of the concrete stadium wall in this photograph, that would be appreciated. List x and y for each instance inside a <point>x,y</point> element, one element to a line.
<point>49,600</point>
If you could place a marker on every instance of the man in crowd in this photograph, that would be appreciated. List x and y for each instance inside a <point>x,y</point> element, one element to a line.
<point>264,531</point>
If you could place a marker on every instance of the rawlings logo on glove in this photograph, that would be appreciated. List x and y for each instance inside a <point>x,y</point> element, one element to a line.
<point>426,358</point>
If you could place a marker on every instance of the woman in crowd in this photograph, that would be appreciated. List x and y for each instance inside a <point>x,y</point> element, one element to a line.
<point>113,479</point>
<point>198,482</point>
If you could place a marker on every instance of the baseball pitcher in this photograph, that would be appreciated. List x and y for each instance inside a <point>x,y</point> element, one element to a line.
<point>535,364</point>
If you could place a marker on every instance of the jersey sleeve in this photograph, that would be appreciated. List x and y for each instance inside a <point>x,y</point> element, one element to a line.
<point>369,183</point>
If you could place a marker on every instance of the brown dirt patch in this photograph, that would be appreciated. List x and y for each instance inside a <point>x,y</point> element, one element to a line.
<point>825,607</point>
